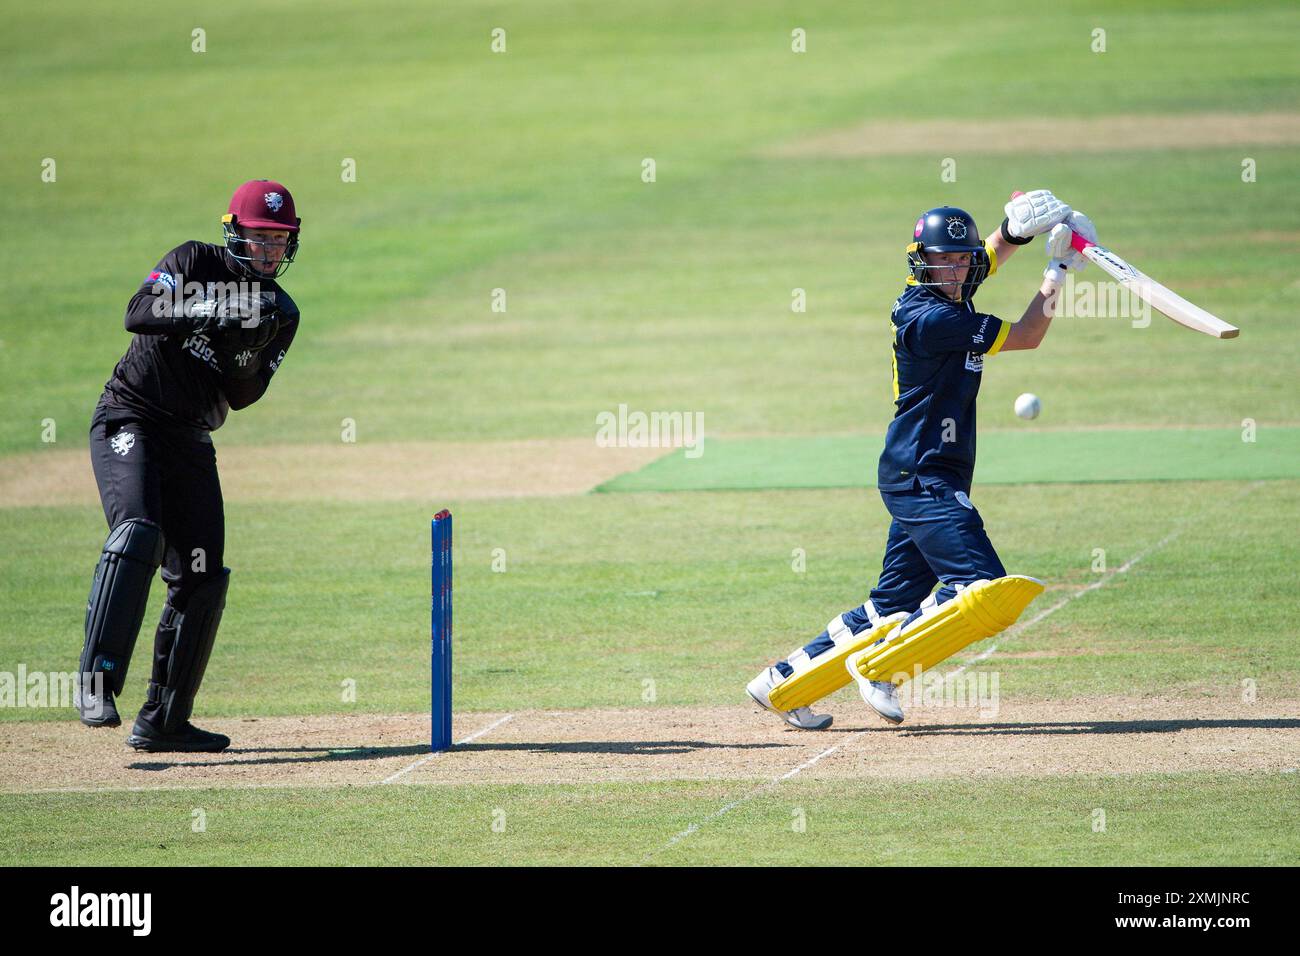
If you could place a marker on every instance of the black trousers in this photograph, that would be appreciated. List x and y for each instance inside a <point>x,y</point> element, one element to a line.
<point>168,475</point>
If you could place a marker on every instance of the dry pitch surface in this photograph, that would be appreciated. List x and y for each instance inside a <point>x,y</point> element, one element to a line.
<point>1105,736</point>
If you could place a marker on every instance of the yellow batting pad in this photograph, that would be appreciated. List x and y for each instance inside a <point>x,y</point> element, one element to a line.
<point>977,612</point>
<point>826,673</point>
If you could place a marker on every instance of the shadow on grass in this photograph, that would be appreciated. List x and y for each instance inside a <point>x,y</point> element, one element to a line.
<point>285,755</point>
<point>307,755</point>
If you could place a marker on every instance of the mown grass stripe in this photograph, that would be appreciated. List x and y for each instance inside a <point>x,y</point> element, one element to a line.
<point>1005,457</point>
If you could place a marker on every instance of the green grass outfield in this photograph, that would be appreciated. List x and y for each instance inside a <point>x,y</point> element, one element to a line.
<point>522,172</point>
<point>1150,819</point>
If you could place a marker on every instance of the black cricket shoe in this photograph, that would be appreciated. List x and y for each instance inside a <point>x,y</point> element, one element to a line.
<point>97,710</point>
<point>184,739</point>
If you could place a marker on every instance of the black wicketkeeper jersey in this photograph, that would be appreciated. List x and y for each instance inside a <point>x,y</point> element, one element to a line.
<point>173,375</point>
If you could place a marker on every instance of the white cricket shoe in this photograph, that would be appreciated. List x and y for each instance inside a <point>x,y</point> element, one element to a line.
<point>802,717</point>
<point>882,696</point>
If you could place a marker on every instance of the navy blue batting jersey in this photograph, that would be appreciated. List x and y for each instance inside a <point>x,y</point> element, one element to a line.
<point>939,352</point>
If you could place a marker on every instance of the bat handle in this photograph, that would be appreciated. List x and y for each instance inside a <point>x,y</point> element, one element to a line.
<point>1076,240</point>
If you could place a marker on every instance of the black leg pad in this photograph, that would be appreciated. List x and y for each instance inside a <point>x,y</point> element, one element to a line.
<point>190,649</point>
<point>118,596</point>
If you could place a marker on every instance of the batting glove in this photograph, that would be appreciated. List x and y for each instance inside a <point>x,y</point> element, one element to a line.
<point>1034,213</point>
<point>1082,225</point>
<point>1063,257</point>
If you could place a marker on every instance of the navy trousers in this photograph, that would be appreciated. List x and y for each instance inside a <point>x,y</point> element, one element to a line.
<point>936,537</point>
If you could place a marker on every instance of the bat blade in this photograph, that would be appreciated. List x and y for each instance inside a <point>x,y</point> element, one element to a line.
<point>1164,300</point>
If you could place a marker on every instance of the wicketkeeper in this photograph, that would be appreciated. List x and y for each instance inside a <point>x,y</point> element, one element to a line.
<point>940,343</point>
<point>211,326</point>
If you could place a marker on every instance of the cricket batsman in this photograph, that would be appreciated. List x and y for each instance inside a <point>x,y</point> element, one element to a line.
<point>211,326</point>
<point>940,343</point>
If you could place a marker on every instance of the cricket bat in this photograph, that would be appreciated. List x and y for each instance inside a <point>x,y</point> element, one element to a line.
<point>1162,299</point>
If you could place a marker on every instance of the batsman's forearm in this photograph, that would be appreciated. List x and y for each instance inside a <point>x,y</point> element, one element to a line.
<point>1038,316</point>
<point>1033,325</point>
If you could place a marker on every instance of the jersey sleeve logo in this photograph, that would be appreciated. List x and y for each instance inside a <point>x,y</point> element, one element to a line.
<point>158,277</point>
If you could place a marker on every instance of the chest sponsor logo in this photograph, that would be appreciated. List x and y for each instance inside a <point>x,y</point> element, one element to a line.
<point>199,347</point>
<point>974,361</point>
<point>243,358</point>
<point>122,442</point>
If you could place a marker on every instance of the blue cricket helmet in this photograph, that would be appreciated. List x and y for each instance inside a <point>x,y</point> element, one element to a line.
<point>947,229</point>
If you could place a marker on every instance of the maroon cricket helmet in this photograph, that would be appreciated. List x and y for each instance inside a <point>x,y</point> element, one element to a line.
<point>260,204</point>
<point>264,204</point>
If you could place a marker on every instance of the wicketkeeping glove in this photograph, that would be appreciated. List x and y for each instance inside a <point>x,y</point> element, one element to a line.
<point>243,311</point>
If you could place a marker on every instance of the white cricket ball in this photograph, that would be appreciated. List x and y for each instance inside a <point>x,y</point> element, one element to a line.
<point>1028,405</point>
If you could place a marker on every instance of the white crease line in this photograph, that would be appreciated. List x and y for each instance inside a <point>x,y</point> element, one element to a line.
<point>474,736</point>
<point>770,785</point>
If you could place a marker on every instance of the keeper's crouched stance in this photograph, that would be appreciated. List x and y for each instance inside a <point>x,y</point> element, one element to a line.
<point>211,327</point>
<point>936,537</point>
